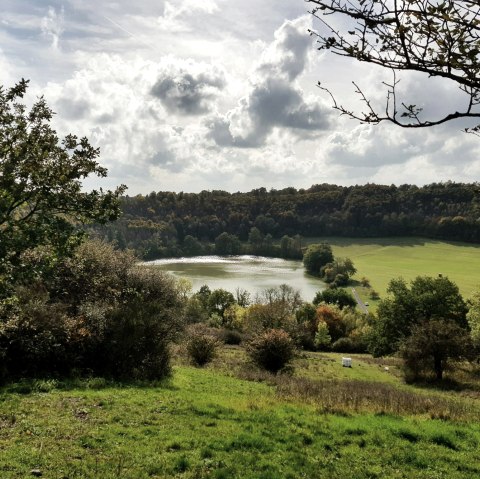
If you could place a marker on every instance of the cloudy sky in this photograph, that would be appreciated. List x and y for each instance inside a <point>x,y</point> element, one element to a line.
<point>186,95</point>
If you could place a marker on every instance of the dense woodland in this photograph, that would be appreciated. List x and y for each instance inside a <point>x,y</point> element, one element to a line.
<point>173,224</point>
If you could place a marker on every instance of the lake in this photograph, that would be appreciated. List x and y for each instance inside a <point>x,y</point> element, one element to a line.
<point>253,273</point>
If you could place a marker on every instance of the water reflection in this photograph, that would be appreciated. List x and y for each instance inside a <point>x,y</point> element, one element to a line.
<point>253,273</point>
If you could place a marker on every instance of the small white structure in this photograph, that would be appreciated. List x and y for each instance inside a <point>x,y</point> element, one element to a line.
<point>347,362</point>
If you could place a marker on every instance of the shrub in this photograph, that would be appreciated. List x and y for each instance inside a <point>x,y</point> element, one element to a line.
<point>97,313</point>
<point>272,350</point>
<point>201,346</point>
<point>34,337</point>
<point>344,345</point>
<point>232,337</point>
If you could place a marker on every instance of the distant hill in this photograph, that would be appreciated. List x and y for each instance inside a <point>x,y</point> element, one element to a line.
<point>158,224</point>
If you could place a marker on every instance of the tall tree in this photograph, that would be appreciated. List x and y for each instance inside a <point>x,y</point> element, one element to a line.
<point>41,197</point>
<point>437,38</point>
<point>316,257</point>
<point>426,299</point>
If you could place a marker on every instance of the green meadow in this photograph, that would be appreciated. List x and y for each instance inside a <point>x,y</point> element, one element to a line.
<point>230,421</point>
<point>381,259</point>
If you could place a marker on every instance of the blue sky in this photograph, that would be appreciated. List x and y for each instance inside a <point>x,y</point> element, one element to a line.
<point>186,95</point>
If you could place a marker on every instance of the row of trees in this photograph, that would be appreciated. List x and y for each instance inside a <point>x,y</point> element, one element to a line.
<point>169,224</point>
<point>426,322</point>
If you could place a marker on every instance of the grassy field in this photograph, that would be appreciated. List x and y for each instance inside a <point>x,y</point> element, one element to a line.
<point>381,259</point>
<point>229,421</point>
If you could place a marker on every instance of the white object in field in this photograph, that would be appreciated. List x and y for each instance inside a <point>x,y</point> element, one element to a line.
<point>387,368</point>
<point>347,362</point>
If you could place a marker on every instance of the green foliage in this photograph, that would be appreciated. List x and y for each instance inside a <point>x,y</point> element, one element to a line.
<point>473,317</point>
<point>219,300</point>
<point>431,345</point>
<point>41,197</point>
<point>426,299</point>
<point>226,244</point>
<point>322,339</point>
<point>338,272</point>
<point>338,296</point>
<point>316,257</point>
<point>158,224</point>
<point>98,312</point>
<point>201,345</point>
<point>272,350</point>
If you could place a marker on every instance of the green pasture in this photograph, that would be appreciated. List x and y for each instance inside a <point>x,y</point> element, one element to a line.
<point>381,259</point>
<point>229,421</point>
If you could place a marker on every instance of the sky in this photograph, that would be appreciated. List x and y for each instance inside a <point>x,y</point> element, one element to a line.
<point>191,95</point>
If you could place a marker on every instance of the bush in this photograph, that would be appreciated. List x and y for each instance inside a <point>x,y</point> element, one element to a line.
<point>232,337</point>
<point>201,346</point>
<point>97,313</point>
<point>344,345</point>
<point>272,350</point>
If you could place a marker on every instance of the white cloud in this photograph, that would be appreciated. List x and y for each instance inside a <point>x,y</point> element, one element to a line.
<point>275,99</point>
<point>53,25</point>
<point>190,95</point>
<point>175,14</point>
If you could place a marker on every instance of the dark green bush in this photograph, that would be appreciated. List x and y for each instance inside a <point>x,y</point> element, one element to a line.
<point>201,345</point>
<point>231,336</point>
<point>97,313</point>
<point>272,350</point>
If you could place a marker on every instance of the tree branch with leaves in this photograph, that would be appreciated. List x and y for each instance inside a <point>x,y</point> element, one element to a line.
<point>41,198</point>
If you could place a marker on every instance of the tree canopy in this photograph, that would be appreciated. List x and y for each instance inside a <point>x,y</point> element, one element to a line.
<point>41,198</point>
<point>426,299</point>
<point>438,38</point>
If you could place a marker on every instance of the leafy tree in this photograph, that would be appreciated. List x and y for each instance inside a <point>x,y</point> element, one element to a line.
<point>332,316</point>
<point>226,244</point>
<point>338,272</point>
<point>255,239</point>
<point>317,256</point>
<point>437,38</point>
<point>431,344</point>
<point>219,300</point>
<point>322,336</point>
<point>338,296</point>
<point>191,246</point>
<point>41,197</point>
<point>473,317</point>
<point>426,299</point>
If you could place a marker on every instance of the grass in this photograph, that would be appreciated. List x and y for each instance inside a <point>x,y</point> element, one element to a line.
<point>210,423</point>
<point>381,259</point>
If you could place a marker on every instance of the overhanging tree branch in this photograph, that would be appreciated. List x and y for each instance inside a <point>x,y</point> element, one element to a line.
<point>438,38</point>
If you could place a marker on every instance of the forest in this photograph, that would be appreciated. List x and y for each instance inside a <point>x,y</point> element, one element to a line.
<point>166,224</point>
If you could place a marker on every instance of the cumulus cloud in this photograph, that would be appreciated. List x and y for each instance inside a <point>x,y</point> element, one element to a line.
<point>275,99</point>
<point>188,89</point>
<point>173,18</point>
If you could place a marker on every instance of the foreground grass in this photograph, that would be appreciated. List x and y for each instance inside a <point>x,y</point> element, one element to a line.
<point>381,259</point>
<point>208,423</point>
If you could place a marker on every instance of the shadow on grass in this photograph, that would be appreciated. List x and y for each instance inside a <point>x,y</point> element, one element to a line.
<point>46,385</point>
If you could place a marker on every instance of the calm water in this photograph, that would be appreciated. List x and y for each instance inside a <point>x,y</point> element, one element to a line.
<point>253,273</point>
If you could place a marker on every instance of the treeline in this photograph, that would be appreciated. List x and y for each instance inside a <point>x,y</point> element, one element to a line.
<point>173,224</point>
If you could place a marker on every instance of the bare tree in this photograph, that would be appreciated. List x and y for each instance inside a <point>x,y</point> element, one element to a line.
<point>438,38</point>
